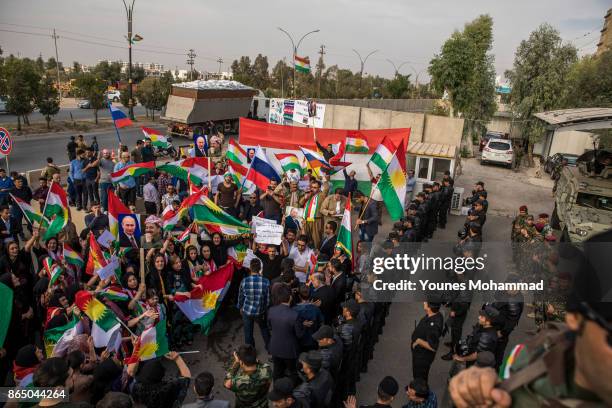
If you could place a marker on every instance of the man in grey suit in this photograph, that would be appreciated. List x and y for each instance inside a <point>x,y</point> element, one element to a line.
<point>203,386</point>
<point>368,217</point>
<point>286,330</point>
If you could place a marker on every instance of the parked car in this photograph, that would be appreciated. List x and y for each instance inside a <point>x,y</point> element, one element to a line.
<point>3,102</point>
<point>552,161</point>
<point>84,104</point>
<point>489,135</point>
<point>113,96</point>
<point>498,151</point>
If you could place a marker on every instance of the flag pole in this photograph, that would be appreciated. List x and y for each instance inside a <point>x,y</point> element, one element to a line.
<point>116,128</point>
<point>24,214</point>
<point>45,206</point>
<point>125,326</point>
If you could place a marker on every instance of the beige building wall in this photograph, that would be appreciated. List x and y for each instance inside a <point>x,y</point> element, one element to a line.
<point>375,118</point>
<point>571,141</point>
<point>442,130</point>
<point>414,121</point>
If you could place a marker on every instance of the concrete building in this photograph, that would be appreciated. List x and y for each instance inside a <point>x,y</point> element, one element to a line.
<point>605,41</point>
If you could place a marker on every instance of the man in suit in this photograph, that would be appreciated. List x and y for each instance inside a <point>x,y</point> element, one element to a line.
<point>323,295</point>
<point>285,331</point>
<point>128,229</point>
<point>338,283</point>
<point>333,206</point>
<point>8,226</point>
<point>329,239</point>
<point>199,150</point>
<point>368,219</point>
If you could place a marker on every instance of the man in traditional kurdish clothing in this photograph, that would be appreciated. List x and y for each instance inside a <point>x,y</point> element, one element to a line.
<point>312,201</point>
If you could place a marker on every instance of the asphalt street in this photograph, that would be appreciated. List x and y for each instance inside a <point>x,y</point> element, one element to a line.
<point>69,114</point>
<point>30,152</point>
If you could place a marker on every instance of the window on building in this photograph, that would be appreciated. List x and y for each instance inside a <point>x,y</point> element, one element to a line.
<point>423,168</point>
<point>439,167</point>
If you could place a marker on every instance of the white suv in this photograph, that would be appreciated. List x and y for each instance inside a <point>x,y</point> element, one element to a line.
<point>113,96</point>
<point>498,151</point>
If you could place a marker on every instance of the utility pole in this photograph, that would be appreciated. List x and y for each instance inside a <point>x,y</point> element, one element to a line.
<point>59,82</point>
<point>129,11</point>
<point>190,61</point>
<point>363,61</point>
<point>282,80</point>
<point>220,61</point>
<point>320,70</point>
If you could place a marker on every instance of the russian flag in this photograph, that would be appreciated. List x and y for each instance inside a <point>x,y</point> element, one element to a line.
<point>120,119</point>
<point>261,171</point>
<point>315,159</point>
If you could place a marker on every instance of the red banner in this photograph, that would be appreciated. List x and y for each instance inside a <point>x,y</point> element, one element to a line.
<point>254,132</point>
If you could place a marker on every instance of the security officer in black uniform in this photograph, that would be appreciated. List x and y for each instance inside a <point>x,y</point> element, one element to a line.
<point>459,306</point>
<point>423,210</point>
<point>425,340</point>
<point>483,337</point>
<point>446,192</point>
<point>510,306</point>
<point>432,210</point>
<point>417,221</point>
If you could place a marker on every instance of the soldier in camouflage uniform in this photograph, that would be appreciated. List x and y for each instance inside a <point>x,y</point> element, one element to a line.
<point>564,365</point>
<point>249,379</point>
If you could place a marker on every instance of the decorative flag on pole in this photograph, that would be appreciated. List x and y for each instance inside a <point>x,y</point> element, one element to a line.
<point>201,304</point>
<point>30,213</point>
<point>392,183</point>
<point>238,172</point>
<point>6,311</point>
<point>356,144</point>
<point>52,270</point>
<point>185,235</point>
<point>115,208</point>
<point>383,154</point>
<point>302,64</point>
<point>56,206</point>
<point>120,118</point>
<point>289,161</point>
<point>115,293</point>
<point>156,137</point>
<point>345,239</point>
<point>72,257</point>
<point>132,170</point>
<point>214,219</point>
<point>152,343</point>
<point>261,172</point>
<point>104,321</point>
<point>194,168</point>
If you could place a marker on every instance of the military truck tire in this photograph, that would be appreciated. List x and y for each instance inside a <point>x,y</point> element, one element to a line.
<point>554,219</point>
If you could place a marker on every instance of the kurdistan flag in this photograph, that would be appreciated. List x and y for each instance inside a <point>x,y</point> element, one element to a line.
<point>56,206</point>
<point>30,213</point>
<point>239,172</point>
<point>132,170</point>
<point>289,161</point>
<point>196,168</point>
<point>214,219</point>
<point>72,257</point>
<point>152,343</point>
<point>392,183</point>
<point>383,154</point>
<point>356,144</point>
<point>302,64</point>
<point>235,153</point>
<point>201,304</point>
<point>57,339</point>
<point>156,137</point>
<point>345,239</point>
<point>104,321</point>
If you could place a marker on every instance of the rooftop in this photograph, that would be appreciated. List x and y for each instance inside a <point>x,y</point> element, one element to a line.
<point>565,117</point>
<point>220,84</point>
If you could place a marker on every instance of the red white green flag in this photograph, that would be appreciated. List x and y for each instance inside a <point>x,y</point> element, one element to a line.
<point>56,209</point>
<point>383,154</point>
<point>302,64</point>
<point>312,208</point>
<point>201,304</point>
<point>104,321</point>
<point>132,170</point>
<point>152,343</point>
<point>392,183</point>
<point>235,153</point>
<point>30,213</point>
<point>345,240</point>
<point>72,257</point>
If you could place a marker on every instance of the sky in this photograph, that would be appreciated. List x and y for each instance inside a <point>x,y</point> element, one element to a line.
<point>401,30</point>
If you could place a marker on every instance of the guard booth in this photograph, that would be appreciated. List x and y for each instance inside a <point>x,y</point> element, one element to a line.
<point>429,162</point>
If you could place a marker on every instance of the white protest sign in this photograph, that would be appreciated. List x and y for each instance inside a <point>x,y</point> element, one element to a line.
<point>304,185</point>
<point>109,270</point>
<point>269,234</point>
<point>255,221</point>
<point>250,255</point>
<point>106,239</point>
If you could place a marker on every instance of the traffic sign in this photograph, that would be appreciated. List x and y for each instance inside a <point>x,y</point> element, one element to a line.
<point>6,143</point>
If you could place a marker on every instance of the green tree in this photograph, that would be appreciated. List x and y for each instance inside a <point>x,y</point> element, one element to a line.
<point>589,83</point>
<point>51,64</point>
<point>542,64</point>
<point>464,71</point>
<point>153,94</point>
<point>261,76</point>
<point>40,64</point>
<point>398,87</point>
<point>138,74</point>
<point>242,70</point>
<point>47,99</point>
<point>22,82</point>
<point>281,74</point>
<point>92,88</point>
<point>111,73</point>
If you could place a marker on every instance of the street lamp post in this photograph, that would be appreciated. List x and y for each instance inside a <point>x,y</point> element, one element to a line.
<point>395,67</point>
<point>363,61</point>
<point>129,11</point>
<point>416,79</point>
<point>295,48</point>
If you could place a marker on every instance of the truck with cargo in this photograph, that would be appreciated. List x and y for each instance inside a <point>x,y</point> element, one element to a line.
<point>203,107</point>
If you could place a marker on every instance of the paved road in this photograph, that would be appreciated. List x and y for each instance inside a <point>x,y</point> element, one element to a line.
<point>30,152</point>
<point>65,114</point>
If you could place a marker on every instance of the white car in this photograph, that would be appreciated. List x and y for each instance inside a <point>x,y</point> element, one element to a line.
<point>113,96</point>
<point>3,102</point>
<point>498,151</point>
